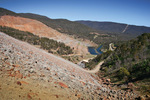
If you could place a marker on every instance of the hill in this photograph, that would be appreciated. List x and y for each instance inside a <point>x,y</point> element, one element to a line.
<point>98,32</point>
<point>76,29</point>
<point>117,28</point>
<point>133,55</point>
<point>130,62</point>
<point>31,73</point>
<point>7,12</point>
<point>62,25</point>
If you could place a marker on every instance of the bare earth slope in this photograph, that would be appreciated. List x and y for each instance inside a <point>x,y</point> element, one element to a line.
<point>40,29</point>
<point>27,72</point>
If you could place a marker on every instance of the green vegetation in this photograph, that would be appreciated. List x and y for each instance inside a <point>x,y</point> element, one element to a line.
<point>130,53</point>
<point>92,63</point>
<point>123,72</point>
<point>7,12</point>
<point>45,43</point>
<point>141,70</point>
<point>131,59</point>
<point>130,62</point>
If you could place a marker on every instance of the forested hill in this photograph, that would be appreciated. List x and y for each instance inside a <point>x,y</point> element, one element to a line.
<point>130,62</point>
<point>132,58</point>
<point>118,28</point>
<point>7,12</point>
<point>130,53</point>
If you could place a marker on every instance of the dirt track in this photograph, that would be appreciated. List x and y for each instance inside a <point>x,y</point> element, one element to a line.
<point>96,69</point>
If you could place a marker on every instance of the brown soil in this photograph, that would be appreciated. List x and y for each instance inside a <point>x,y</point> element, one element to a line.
<point>40,29</point>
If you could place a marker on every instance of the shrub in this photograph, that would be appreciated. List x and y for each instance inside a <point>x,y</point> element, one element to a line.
<point>123,72</point>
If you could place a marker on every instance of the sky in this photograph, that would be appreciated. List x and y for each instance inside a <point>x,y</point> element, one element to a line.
<point>135,12</point>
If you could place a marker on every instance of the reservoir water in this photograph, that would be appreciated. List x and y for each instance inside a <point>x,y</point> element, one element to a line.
<point>95,51</point>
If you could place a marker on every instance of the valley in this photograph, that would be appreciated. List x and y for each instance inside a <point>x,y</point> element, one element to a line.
<point>41,30</point>
<point>40,58</point>
<point>78,45</point>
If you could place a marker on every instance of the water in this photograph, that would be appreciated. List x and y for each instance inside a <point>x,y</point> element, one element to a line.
<point>94,51</point>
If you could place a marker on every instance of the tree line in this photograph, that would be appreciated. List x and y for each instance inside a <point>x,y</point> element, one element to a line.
<point>45,43</point>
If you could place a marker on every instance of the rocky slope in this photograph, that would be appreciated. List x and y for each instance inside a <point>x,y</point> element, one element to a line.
<point>27,72</point>
<point>40,29</point>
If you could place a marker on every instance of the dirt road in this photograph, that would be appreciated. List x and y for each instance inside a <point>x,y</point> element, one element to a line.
<point>96,69</point>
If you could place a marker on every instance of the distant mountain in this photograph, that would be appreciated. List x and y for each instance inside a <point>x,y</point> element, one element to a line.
<point>62,25</point>
<point>118,28</point>
<point>78,30</point>
<point>75,29</point>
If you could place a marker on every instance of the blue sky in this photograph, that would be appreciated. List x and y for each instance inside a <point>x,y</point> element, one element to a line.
<point>136,12</point>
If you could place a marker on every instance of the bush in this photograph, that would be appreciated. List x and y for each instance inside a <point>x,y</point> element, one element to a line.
<point>123,72</point>
<point>105,69</point>
<point>141,70</point>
